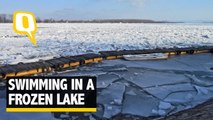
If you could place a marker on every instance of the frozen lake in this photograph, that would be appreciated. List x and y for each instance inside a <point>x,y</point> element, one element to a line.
<point>144,88</point>
<point>77,38</point>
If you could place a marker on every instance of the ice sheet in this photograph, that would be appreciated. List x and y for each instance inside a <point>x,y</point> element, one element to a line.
<point>70,39</point>
<point>141,105</point>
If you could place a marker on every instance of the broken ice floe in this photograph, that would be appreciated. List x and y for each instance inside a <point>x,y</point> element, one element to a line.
<point>106,79</point>
<point>111,98</point>
<point>141,105</point>
<point>112,94</point>
<point>145,88</point>
<point>162,92</point>
<point>154,79</point>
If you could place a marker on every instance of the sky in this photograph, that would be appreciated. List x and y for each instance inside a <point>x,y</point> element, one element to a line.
<point>170,10</point>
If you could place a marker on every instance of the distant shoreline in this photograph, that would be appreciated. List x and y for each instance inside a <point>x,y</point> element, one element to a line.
<point>4,18</point>
<point>118,21</point>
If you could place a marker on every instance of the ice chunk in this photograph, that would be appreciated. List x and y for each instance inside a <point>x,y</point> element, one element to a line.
<point>163,91</point>
<point>202,82</point>
<point>189,96</point>
<point>180,97</point>
<point>112,94</point>
<point>159,112</point>
<point>130,92</point>
<point>163,108</point>
<point>139,105</point>
<point>111,110</point>
<point>105,80</point>
<point>164,105</point>
<point>201,90</point>
<point>153,78</point>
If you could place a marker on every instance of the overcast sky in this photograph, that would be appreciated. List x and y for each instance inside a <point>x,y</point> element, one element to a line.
<point>172,10</point>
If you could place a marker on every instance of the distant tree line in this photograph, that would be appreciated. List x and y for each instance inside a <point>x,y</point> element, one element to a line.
<point>4,18</point>
<point>100,21</point>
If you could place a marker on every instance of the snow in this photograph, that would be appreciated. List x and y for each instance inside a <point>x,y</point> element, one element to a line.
<point>70,39</point>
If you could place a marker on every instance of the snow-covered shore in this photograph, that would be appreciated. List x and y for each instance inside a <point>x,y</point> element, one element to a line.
<point>71,39</point>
